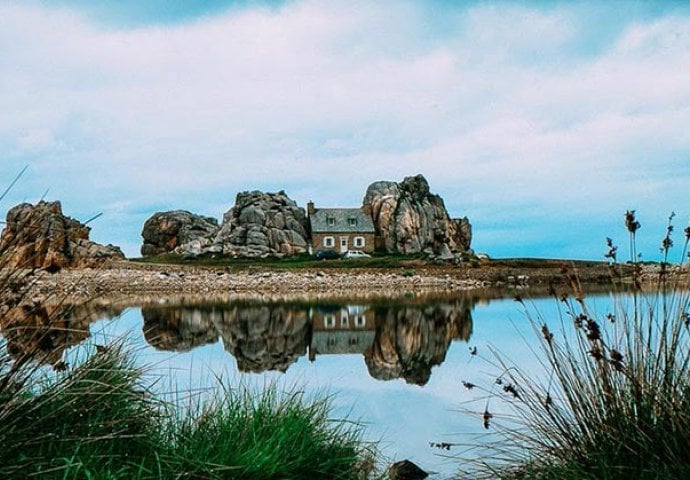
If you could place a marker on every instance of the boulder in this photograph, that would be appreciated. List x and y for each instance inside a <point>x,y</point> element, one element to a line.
<point>261,225</point>
<point>40,236</point>
<point>410,219</point>
<point>165,232</point>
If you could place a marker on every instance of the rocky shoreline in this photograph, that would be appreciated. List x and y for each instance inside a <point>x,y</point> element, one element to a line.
<point>139,279</point>
<point>135,278</point>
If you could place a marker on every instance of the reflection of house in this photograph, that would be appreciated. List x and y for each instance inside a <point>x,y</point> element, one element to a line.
<point>341,330</point>
<point>341,229</point>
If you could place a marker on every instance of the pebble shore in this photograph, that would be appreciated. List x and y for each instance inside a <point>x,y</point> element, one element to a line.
<point>177,280</point>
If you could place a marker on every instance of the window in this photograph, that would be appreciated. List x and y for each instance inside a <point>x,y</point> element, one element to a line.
<point>331,221</point>
<point>344,321</point>
<point>329,242</point>
<point>360,320</point>
<point>329,321</point>
<point>359,242</point>
<point>352,222</point>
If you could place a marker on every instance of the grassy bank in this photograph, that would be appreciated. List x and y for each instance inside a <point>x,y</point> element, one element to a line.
<point>296,262</point>
<point>98,421</point>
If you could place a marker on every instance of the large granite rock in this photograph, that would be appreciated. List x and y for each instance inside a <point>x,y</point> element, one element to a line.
<point>40,236</point>
<point>410,219</point>
<point>262,225</point>
<point>165,232</point>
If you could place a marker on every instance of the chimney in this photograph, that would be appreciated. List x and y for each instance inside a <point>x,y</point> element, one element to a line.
<point>310,208</point>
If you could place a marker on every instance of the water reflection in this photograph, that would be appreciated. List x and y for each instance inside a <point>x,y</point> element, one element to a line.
<point>397,339</point>
<point>45,331</point>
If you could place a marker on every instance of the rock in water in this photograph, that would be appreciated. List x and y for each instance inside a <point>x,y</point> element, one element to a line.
<point>165,232</point>
<point>410,219</point>
<point>41,236</point>
<point>263,225</point>
<point>406,470</point>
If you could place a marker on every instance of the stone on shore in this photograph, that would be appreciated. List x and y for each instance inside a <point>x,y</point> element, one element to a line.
<point>40,236</point>
<point>166,232</point>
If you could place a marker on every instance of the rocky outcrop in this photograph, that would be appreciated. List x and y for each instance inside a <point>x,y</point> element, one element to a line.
<point>410,219</point>
<point>262,225</point>
<point>40,236</point>
<point>464,229</point>
<point>165,232</point>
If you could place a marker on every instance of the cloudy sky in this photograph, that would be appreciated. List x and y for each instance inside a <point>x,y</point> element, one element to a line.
<point>541,121</point>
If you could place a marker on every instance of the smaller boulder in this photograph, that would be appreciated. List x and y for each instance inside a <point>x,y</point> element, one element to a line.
<point>164,232</point>
<point>406,470</point>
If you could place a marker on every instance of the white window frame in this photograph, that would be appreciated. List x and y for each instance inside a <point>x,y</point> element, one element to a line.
<point>329,242</point>
<point>360,321</point>
<point>344,320</point>
<point>329,320</point>
<point>331,221</point>
<point>352,222</point>
<point>359,242</point>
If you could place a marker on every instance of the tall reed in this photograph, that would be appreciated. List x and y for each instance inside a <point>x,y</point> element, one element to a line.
<point>614,401</point>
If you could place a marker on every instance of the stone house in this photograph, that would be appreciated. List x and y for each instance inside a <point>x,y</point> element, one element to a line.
<point>341,229</point>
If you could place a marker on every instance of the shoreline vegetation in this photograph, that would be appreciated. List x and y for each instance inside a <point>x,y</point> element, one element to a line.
<point>100,420</point>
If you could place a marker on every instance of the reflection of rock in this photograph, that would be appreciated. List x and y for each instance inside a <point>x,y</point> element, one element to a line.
<point>179,329</point>
<point>41,236</point>
<point>265,337</point>
<point>165,231</point>
<point>410,219</point>
<point>43,333</point>
<point>411,340</point>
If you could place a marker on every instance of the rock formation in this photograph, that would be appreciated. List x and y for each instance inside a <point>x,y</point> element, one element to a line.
<point>412,220</point>
<point>41,236</point>
<point>166,231</point>
<point>262,225</point>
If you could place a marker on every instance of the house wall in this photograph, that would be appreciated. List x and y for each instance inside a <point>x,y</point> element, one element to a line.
<point>317,240</point>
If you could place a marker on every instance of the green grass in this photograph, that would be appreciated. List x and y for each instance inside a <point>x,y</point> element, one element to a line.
<point>296,262</point>
<point>614,402</point>
<point>97,421</point>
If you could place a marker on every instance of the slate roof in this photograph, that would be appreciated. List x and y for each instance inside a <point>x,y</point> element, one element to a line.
<point>341,221</point>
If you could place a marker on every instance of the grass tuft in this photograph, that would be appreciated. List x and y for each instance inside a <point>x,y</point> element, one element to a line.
<point>614,402</point>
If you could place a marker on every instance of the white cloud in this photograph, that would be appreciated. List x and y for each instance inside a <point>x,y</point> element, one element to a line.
<point>496,109</point>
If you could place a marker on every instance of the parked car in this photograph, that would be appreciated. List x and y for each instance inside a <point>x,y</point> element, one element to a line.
<point>327,255</point>
<point>356,254</point>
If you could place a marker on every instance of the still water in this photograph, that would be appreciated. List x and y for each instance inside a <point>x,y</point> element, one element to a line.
<point>395,364</point>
